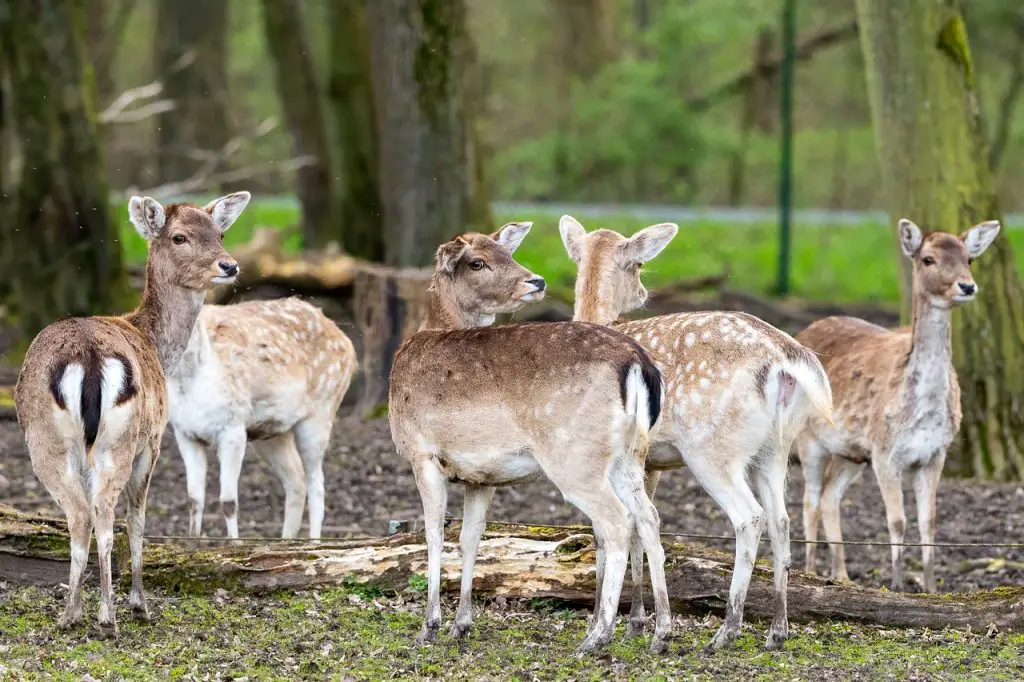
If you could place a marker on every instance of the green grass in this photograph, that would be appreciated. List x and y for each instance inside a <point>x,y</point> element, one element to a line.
<point>334,633</point>
<point>836,263</point>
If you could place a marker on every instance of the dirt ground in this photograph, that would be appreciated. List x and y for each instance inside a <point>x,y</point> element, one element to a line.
<point>368,485</point>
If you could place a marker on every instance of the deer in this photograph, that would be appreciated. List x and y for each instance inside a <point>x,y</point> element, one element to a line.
<point>737,393</point>
<point>495,406</point>
<point>270,373</point>
<point>897,400</point>
<point>91,396</point>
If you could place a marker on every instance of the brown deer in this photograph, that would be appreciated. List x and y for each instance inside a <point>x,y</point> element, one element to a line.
<point>270,373</point>
<point>92,399</point>
<point>737,393</point>
<point>495,406</point>
<point>897,401</point>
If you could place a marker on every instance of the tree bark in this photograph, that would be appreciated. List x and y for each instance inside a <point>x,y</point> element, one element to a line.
<point>515,561</point>
<point>288,42</point>
<point>418,57</point>
<point>59,251</point>
<point>190,60</point>
<point>934,159</point>
<point>351,97</point>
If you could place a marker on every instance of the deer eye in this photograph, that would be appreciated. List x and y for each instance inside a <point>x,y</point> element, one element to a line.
<point>928,260</point>
<point>970,261</point>
<point>476,264</point>
<point>178,239</point>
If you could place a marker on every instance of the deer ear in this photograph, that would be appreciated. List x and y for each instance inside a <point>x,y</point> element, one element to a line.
<point>511,235</point>
<point>980,237</point>
<point>650,241</point>
<point>910,237</point>
<point>572,236</point>
<point>449,253</point>
<point>226,209</point>
<point>147,215</point>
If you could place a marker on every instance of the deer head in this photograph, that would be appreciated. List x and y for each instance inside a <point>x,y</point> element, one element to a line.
<point>477,274</point>
<point>186,242</point>
<point>942,261</point>
<point>608,277</point>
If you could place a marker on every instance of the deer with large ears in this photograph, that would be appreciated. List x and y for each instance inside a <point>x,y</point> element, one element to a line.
<point>92,398</point>
<point>897,400</point>
<point>737,393</point>
<point>495,406</point>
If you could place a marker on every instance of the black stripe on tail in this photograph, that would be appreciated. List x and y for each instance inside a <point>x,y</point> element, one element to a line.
<point>652,380</point>
<point>92,387</point>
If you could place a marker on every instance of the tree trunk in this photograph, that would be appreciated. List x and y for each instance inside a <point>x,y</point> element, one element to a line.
<point>288,42</point>
<point>388,305</point>
<point>934,161</point>
<point>351,96</point>
<point>59,251</point>
<point>190,60</point>
<point>515,561</point>
<point>419,53</point>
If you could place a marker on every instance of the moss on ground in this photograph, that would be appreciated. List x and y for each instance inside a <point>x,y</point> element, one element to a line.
<point>334,633</point>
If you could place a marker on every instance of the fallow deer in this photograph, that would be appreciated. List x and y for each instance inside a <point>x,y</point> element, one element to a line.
<point>92,398</point>
<point>737,393</point>
<point>272,373</point>
<point>897,399</point>
<point>494,406</point>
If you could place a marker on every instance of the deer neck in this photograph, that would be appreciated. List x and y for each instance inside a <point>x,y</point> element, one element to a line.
<point>931,353</point>
<point>197,353</point>
<point>444,313</point>
<point>167,315</point>
<point>592,304</point>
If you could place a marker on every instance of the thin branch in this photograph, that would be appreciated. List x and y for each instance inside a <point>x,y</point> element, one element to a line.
<point>805,49</point>
<point>115,113</point>
<point>245,173</point>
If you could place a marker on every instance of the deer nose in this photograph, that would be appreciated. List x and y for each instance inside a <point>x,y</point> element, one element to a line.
<point>537,282</point>
<point>968,288</point>
<point>231,269</point>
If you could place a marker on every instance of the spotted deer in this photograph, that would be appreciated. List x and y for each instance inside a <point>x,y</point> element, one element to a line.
<point>737,392</point>
<point>92,399</point>
<point>270,373</point>
<point>494,406</point>
<point>897,399</point>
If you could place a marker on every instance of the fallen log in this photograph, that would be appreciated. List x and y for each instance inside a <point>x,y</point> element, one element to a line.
<point>514,561</point>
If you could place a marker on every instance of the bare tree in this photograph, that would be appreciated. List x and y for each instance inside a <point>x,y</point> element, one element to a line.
<point>420,51</point>
<point>351,97</point>
<point>59,252</point>
<point>285,29</point>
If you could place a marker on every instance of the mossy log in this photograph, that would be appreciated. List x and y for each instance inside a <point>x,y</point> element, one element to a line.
<point>514,561</point>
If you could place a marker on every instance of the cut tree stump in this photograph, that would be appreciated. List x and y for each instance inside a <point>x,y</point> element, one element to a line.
<point>514,561</point>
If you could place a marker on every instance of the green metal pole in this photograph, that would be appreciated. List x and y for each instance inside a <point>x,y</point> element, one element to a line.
<point>786,151</point>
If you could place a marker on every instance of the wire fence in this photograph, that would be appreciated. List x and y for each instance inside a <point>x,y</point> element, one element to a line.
<point>406,526</point>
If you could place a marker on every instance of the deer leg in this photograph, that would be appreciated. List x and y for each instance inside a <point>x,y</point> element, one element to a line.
<point>138,490</point>
<point>813,461</point>
<point>637,617</point>
<point>771,486</point>
<point>80,529</point>
<point>842,473</point>
<point>629,483</point>
<point>311,438</point>
<point>103,522</point>
<point>474,519</point>
<point>282,456</point>
<point>926,485</point>
<point>599,561</point>
<point>230,452</point>
<point>890,482</point>
<point>194,456</point>
<point>730,490</point>
<point>434,493</point>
